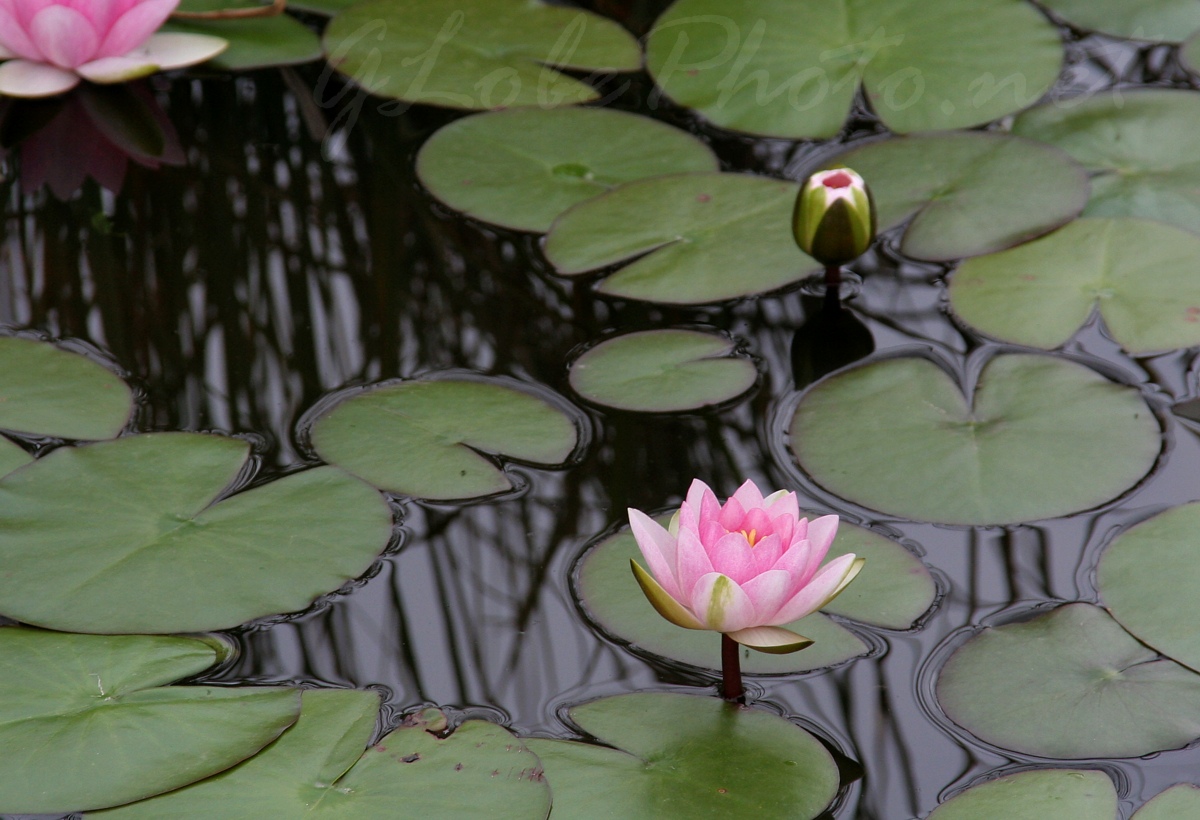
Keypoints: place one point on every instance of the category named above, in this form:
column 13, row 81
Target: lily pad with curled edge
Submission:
column 127, row 536
column 522, row 168
column 318, row 769
column 254, row 42
column 1070, row 684
column 423, row 438
column 48, row 391
column 688, row 239
column 1040, row 437
column 12, row 456
column 1176, row 803
column 86, row 721
column 1156, row 21
column 1140, row 275
column 968, row 193
column 476, row 54
column 1142, row 148
column 686, row 756
column 1061, row 794
column 792, row 68
column 662, row 371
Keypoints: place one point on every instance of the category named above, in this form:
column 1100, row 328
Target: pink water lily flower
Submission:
column 741, row 569
column 50, row 45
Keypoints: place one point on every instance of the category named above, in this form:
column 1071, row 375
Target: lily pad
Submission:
column 48, row 391
column 1041, row 437
column 1189, row 54
column 476, row 54
column 318, row 769
column 123, row 536
column 12, row 456
column 662, row 371
column 692, row 238
column 1140, row 276
column 686, row 756
column 792, row 68
column 1142, row 148
column 968, row 193
column 422, row 438
column 86, row 721
column 521, row 169
column 1156, row 21
column 1063, row 794
column 254, row 42
column 1070, row 684
column 1178, row 802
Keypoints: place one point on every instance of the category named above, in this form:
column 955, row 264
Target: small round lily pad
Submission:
column 520, row 169
column 1061, row 794
column 1156, row 21
column 254, row 42
column 1070, row 684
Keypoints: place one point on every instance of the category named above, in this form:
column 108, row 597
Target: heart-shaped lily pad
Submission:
column 662, row 371
column 476, row 54
column 254, row 42
column 1142, row 148
column 422, row 438
column 86, row 721
column 521, row 169
column 1061, row 794
column 123, row 536
column 1178, row 802
column 968, row 193
column 693, row 238
column 791, row 68
column 1140, row 275
column 686, row 756
column 1158, row 21
column 12, row 456
column 47, row 391
column 1070, row 684
column 318, row 769
column 1042, row 437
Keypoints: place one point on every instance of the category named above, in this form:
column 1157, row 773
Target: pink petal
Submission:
column 690, row 510
column 691, row 562
column 709, row 507
column 766, row 552
column 21, row 78
column 15, row 39
column 748, row 495
column 66, row 37
column 710, row 532
column 135, row 26
column 821, row 532
column 767, row 592
column 721, row 604
column 733, row 556
column 813, row 596
column 731, row 515
column 785, row 504
column 757, row 520
column 658, row 548
column 795, row 562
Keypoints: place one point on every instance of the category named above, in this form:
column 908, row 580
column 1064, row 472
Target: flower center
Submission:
column 838, row 180
column 751, row 536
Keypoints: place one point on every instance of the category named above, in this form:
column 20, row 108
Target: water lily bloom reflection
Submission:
column 834, row 218
column 741, row 569
column 50, row 45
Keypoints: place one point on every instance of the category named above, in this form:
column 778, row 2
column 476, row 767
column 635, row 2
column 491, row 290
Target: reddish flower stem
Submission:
column 731, row 671
column 833, row 276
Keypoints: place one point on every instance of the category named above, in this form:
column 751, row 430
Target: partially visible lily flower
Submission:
column 834, row 218
column 741, row 569
column 48, row 46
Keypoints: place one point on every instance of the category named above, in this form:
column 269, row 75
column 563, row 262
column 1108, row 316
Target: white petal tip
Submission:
column 23, row 78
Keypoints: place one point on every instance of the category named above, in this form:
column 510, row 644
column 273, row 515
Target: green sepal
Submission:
column 663, row 603
column 774, row 640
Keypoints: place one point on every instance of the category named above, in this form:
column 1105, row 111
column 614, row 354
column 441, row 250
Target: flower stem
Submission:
column 833, row 276
column 731, row 671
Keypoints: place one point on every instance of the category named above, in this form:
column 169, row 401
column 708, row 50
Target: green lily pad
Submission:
column 1070, row 684
column 791, row 68
column 1189, row 53
column 1140, row 276
column 893, row 590
column 254, row 42
column 1142, row 148
column 1148, row 577
column 686, row 756
column 968, row 193
column 422, row 438
column 1062, row 794
column 86, row 721
column 693, row 238
column 12, row 456
column 476, row 54
column 123, row 536
column 1176, row 803
column 1156, row 21
column 662, row 371
column 328, row 8
column 1042, row 437
column 521, row 169
column 318, row 769
column 47, row 391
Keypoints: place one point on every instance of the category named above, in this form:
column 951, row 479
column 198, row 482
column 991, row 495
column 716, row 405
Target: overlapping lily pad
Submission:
column 254, row 42
column 662, row 371
column 1062, row 794
column 1158, row 21
column 427, row 438
column 1140, row 275
column 476, row 54
column 1041, row 437
column 692, row 238
column 521, row 169
column 12, row 456
column 1070, row 684
column 86, row 721
column 318, row 769
column 1175, row 803
column 48, row 391
column 968, row 193
column 123, row 536
column 791, row 68
column 1142, row 148
column 686, row 756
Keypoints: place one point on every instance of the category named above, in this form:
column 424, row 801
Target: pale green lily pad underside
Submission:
column 1042, row 437
column 1158, row 21
column 1176, row 803
column 520, row 169
column 1070, row 684
column 1061, row 794
column 254, row 42
column 683, row 756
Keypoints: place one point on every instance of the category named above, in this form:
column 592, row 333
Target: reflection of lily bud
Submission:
column 830, row 338
column 834, row 219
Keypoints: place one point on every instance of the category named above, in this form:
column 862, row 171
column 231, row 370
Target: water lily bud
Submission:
column 834, row 219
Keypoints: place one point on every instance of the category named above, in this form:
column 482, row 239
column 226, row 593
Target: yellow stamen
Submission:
column 751, row 536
